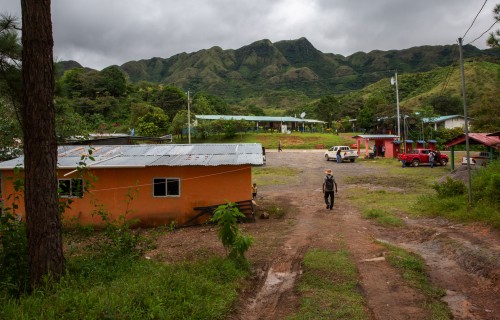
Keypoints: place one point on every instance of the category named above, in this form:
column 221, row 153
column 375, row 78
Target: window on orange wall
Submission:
column 70, row 188
column 166, row 187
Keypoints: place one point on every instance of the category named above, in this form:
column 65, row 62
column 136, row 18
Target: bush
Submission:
column 226, row 216
column 14, row 259
column 492, row 192
column 14, row 262
column 486, row 183
column 449, row 188
column 276, row 211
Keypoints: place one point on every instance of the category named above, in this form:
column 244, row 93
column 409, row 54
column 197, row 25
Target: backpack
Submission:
column 329, row 183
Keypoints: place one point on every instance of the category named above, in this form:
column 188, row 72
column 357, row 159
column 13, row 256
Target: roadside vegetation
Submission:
column 294, row 140
column 329, row 287
column 388, row 198
column 272, row 176
column 450, row 199
column 115, row 285
column 413, row 270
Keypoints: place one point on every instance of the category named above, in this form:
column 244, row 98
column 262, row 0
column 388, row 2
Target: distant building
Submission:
column 282, row 124
column 155, row 183
column 446, row 122
column 116, row 139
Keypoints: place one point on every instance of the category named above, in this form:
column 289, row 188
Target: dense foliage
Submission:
column 451, row 199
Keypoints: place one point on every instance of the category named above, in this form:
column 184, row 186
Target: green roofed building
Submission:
column 282, row 124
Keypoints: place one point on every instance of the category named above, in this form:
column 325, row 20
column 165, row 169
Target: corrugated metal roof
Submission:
column 156, row 155
column 256, row 118
column 376, row 136
column 441, row 118
column 476, row 138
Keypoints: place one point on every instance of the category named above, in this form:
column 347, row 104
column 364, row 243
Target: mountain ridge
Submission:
column 263, row 67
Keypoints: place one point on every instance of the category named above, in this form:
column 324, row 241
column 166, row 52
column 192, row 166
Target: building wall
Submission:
column 454, row 123
column 199, row 186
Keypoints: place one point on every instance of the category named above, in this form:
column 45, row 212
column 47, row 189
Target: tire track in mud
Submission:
column 463, row 259
column 275, row 293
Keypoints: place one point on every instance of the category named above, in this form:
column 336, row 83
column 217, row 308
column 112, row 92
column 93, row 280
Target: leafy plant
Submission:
column 486, row 183
column 226, row 216
column 449, row 188
column 276, row 211
column 14, row 260
column 118, row 231
column 383, row 217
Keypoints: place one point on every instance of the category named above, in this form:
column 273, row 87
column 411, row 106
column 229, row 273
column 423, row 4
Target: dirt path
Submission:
column 464, row 260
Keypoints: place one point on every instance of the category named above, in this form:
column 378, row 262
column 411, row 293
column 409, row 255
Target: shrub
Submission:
column 486, row 183
column 449, row 188
column 492, row 192
column 226, row 216
column 14, row 262
column 14, row 259
column 276, row 211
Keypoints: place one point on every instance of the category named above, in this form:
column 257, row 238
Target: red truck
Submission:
column 417, row 157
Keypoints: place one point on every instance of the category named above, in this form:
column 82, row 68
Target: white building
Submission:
column 446, row 122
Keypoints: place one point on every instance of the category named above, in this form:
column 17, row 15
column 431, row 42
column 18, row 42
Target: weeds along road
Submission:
column 471, row 292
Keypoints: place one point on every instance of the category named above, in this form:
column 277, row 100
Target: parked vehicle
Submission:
column 417, row 157
column 346, row 154
column 479, row 158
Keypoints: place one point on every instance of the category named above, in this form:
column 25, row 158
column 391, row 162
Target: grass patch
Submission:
column 412, row 268
column 295, row 140
column 124, row 287
column 276, row 211
column 272, row 176
column 451, row 198
column 383, row 217
column 392, row 193
column 329, row 287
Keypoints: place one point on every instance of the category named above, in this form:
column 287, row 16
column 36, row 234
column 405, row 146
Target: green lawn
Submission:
column 295, row 140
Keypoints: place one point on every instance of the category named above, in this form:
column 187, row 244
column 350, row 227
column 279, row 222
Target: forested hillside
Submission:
column 292, row 68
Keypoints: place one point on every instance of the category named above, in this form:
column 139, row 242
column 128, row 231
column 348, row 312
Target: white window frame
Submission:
column 166, row 180
column 71, row 195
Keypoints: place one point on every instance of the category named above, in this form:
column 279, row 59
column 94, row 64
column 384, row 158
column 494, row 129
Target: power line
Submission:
column 482, row 34
column 463, row 37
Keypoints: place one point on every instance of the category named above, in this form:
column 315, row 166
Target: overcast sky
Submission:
column 100, row 33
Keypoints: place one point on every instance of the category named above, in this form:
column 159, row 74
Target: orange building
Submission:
column 388, row 142
column 156, row 184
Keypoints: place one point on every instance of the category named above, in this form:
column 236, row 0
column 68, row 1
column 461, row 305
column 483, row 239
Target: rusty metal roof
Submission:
column 376, row 136
column 476, row 138
column 136, row 156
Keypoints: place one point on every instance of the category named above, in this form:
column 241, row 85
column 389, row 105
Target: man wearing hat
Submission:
column 328, row 186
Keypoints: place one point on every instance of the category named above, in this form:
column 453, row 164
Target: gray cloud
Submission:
column 100, row 33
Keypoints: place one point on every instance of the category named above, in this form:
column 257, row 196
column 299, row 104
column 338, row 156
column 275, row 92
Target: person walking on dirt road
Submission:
column 329, row 185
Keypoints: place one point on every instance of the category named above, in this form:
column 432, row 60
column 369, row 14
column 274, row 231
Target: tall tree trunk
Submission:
column 40, row 147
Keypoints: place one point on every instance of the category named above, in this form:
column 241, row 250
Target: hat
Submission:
column 328, row 171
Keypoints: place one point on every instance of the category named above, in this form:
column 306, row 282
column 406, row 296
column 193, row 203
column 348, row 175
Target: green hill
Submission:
column 264, row 68
column 283, row 77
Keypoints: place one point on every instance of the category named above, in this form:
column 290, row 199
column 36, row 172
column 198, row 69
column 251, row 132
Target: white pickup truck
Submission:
column 345, row 153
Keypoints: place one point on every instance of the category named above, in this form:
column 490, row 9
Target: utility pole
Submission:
column 466, row 123
column 189, row 119
column 395, row 81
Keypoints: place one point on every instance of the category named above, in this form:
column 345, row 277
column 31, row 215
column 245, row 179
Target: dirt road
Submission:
column 464, row 260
